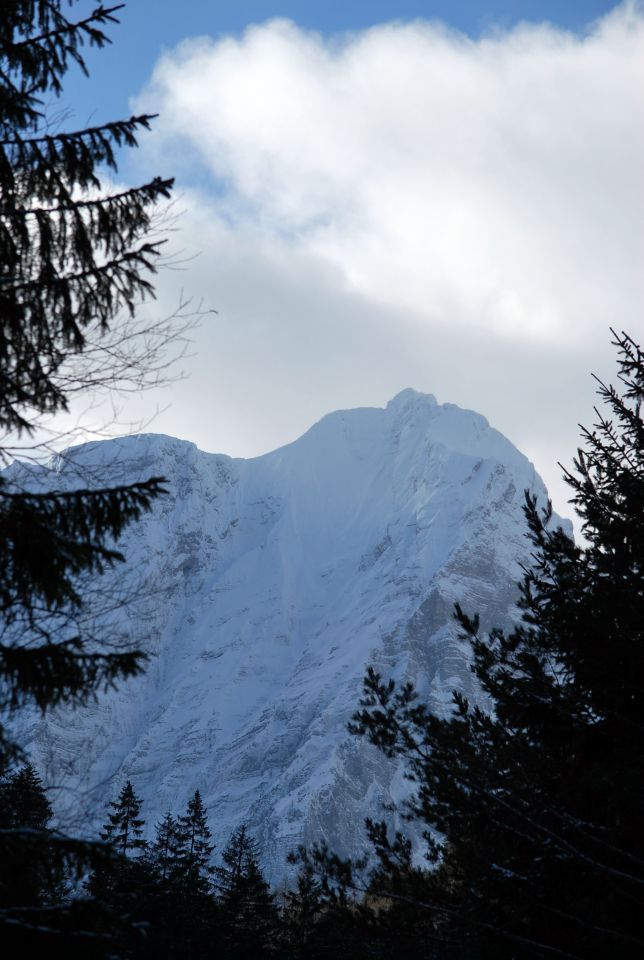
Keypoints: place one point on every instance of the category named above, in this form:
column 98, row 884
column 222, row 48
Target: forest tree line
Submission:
column 169, row 897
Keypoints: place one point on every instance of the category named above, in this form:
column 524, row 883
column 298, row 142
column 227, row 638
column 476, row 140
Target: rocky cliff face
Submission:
column 265, row 588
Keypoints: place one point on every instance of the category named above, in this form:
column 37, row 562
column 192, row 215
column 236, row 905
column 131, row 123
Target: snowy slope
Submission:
column 270, row 585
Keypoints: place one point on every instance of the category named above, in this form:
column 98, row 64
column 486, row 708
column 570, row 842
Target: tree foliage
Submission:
column 194, row 848
column 77, row 257
column 25, row 809
column 533, row 808
column 124, row 827
column 73, row 256
column 164, row 851
column 247, row 910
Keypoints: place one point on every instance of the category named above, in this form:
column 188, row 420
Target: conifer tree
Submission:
column 76, row 259
column 124, row 827
column 173, row 892
column 303, row 908
column 195, row 848
column 114, row 880
column 23, row 801
column 164, row 852
column 535, row 806
column 248, row 913
column 24, row 806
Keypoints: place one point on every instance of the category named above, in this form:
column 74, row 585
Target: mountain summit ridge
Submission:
column 271, row 584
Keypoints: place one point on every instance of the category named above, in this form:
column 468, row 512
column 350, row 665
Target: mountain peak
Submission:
column 267, row 586
column 409, row 397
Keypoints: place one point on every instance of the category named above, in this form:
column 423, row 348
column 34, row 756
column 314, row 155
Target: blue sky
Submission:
column 150, row 26
column 372, row 205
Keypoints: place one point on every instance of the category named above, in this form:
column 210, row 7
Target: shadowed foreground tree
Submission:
column 534, row 809
column 24, row 807
column 248, row 916
column 163, row 853
column 76, row 258
column 193, row 861
column 124, row 827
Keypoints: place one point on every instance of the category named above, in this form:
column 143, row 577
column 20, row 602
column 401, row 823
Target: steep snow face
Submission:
column 268, row 586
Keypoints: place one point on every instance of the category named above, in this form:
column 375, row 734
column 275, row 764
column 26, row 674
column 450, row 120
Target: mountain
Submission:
column 262, row 589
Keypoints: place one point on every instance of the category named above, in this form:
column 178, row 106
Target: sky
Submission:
column 379, row 195
column 149, row 28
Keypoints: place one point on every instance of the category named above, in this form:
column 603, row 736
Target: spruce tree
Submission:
column 194, row 848
column 534, row 807
column 38, row 879
column 113, row 882
column 249, row 920
column 164, row 852
column 23, row 801
column 124, row 827
column 76, row 259
column 173, row 894
column 302, row 909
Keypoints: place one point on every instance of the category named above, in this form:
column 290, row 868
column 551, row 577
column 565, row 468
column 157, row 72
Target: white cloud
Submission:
column 405, row 206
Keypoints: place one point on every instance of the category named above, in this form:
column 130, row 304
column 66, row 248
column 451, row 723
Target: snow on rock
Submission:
column 265, row 588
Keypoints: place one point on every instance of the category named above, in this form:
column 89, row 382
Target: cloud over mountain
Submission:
column 460, row 210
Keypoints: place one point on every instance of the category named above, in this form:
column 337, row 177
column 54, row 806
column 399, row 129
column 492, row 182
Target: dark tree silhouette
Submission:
column 248, row 915
column 163, row 853
column 76, row 259
column 24, row 808
column 534, row 807
column 193, row 861
column 124, row 827
column 23, row 801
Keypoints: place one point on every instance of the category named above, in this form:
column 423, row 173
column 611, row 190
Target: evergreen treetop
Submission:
column 124, row 827
column 195, row 848
column 39, row 875
column 247, row 908
column 23, row 801
column 164, row 852
column 238, row 856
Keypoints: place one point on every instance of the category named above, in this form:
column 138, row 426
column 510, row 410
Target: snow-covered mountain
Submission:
column 269, row 585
